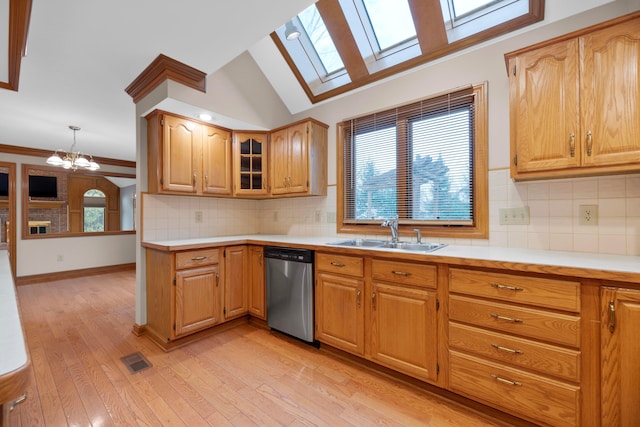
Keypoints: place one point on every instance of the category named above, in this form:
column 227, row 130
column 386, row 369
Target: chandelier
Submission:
column 72, row 159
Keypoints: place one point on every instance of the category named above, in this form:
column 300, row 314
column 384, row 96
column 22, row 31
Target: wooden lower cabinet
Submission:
column 339, row 312
column 403, row 329
column 361, row 310
column 518, row 392
column 184, row 292
column 197, row 299
column 189, row 291
column 515, row 344
column 620, row 357
column 236, row 295
column 256, row 285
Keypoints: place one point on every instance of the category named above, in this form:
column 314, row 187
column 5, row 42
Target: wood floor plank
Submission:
column 78, row 330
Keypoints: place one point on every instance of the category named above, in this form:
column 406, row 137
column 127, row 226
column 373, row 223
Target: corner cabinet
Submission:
column 236, row 299
column 574, row 105
column 250, row 164
column 257, row 290
column 620, row 355
column 187, row 157
column 298, row 159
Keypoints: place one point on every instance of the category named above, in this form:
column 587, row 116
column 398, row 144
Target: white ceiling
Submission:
column 81, row 55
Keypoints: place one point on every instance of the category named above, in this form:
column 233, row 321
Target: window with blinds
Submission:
column 416, row 162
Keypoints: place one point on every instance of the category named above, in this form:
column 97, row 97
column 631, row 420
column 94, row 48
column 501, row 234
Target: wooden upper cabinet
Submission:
column 216, row 160
column 611, row 94
column 575, row 103
column 544, row 107
column 250, row 163
column 187, row 157
column 298, row 159
column 180, row 145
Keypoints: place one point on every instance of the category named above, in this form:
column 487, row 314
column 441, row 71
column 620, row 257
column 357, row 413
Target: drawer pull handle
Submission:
column 337, row 264
column 507, row 349
column 508, row 319
column 401, row 273
column 17, row 402
column 612, row 317
column 508, row 288
column 198, row 258
column 505, row 381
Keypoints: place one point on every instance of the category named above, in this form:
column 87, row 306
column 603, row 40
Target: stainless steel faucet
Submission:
column 418, row 234
column 393, row 225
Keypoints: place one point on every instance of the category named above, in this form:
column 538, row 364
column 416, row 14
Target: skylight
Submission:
column 345, row 44
column 391, row 22
column 320, row 39
column 464, row 7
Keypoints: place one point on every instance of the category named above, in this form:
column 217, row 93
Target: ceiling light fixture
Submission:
column 291, row 32
column 72, row 159
column 204, row 116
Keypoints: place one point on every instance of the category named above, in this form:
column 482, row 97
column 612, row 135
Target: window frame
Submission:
column 478, row 229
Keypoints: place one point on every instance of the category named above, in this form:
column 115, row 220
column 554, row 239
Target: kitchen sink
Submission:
column 360, row 243
column 405, row 246
column 416, row 247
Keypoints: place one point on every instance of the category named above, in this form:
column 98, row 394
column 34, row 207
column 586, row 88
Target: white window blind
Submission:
column 414, row 161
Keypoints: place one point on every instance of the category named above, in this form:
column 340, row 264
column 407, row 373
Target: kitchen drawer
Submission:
column 548, row 293
column 342, row 264
column 404, row 272
column 197, row 258
column 514, row 391
column 544, row 358
column 528, row 322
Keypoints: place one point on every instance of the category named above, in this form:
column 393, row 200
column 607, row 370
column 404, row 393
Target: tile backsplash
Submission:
column 553, row 206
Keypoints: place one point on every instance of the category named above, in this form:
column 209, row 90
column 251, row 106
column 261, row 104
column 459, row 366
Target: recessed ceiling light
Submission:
column 204, row 116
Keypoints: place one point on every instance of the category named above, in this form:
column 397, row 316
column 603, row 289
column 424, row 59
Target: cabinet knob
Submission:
column 589, row 142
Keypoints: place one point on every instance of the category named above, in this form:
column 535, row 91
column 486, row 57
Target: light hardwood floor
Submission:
column 78, row 329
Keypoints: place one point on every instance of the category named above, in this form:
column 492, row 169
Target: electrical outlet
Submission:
column 317, row 216
column 514, row 216
column 588, row 215
column 198, row 217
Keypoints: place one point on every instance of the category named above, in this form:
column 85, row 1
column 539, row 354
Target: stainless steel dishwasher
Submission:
column 289, row 280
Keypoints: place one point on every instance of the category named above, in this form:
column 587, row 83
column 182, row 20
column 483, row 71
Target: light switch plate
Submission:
column 514, row 216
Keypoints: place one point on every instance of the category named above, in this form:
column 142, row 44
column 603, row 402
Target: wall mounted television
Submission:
column 43, row 186
column 4, row 184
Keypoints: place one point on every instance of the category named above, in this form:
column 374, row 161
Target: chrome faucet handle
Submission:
column 418, row 234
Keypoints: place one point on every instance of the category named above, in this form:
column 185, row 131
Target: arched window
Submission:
column 93, row 206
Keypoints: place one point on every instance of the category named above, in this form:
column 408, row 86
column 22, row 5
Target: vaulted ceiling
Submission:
column 81, row 55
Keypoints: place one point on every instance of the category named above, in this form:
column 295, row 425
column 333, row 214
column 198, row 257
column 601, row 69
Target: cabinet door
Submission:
column 216, row 161
column 250, row 163
column 180, row 156
column 544, row 85
column 339, row 312
column 404, row 329
column 620, row 356
column 298, row 159
column 279, row 161
column 236, row 302
column 611, row 95
column 197, row 303
column 257, row 302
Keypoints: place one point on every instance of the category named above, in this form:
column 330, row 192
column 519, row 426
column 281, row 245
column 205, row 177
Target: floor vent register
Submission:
column 135, row 362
